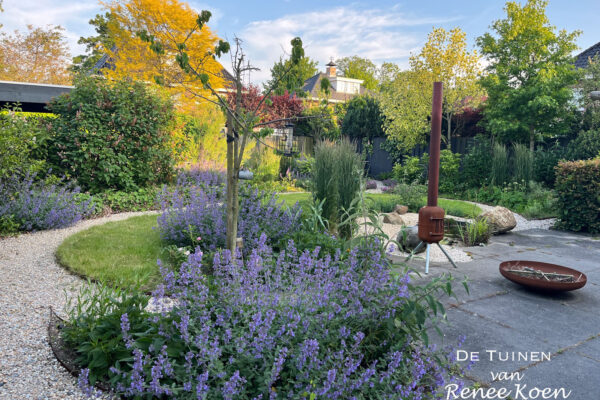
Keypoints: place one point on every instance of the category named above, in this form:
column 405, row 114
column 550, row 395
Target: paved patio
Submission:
column 503, row 316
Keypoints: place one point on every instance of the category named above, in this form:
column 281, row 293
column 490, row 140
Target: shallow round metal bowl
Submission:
column 542, row 283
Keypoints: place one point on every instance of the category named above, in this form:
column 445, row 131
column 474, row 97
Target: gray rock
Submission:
column 500, row 219
column 408, row 238
column 400, row 209
column 393, row 218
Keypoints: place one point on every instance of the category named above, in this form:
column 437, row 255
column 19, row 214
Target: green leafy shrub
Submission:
column 95, row 325
column 112, row 135
column 285, row 165
column 449, row 166
column 305, row 240
column 383, row 203
column 476, row 167
column 336, row 178
column 578, row 187
column 585, row 146
column 411, row 170
column 363, row 119
column 139, row 200
column 533, row 201
column 264, row 163
column 320, row 123
column 541, row 202
column 545, row 161
column 22, row 143
column 414, row 170
column 411, row 196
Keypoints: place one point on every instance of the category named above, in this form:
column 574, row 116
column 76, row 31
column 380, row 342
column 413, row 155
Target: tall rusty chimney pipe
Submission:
column 431, row 217
column 434, row 145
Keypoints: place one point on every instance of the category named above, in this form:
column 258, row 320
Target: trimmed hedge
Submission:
column 578, row 187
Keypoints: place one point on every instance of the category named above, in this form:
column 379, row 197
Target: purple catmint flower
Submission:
column 125, row 327
column 36, row 205
column 298, row 322
column 84, row 383
column 233, row 386
column 201, row 386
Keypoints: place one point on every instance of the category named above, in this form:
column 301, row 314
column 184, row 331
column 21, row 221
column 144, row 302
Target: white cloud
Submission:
column 380, row 35
column 216, row 13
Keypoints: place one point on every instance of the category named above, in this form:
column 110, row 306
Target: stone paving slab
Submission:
column 503, row 316
column 568, row 370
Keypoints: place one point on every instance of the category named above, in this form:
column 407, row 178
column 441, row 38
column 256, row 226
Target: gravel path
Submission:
column 31, row 282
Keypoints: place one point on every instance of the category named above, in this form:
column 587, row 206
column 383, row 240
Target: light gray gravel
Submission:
column 31, row 282
column 523, row 223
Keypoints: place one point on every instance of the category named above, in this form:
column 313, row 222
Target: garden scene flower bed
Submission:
column 188, row 217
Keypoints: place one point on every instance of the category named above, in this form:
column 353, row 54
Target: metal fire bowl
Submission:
column 539, row 283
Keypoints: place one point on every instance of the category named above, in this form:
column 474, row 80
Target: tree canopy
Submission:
column 407, row 103
column 529, row 75
column 406, row 109
column 290, row 78
column 277, row 108
column 41, row 55
column 95, row 44
column 359, row 68
column 143, row 39
column 363, row 119
column 386, row 75
column 591, row 82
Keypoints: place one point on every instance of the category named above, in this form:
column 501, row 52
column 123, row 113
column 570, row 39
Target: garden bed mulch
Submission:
column 64, row 354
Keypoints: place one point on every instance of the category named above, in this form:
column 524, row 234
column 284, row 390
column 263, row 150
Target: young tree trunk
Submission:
column 231, row 189
column 449, row 132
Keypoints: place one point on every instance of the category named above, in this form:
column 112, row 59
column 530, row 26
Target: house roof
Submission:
column 313, row 87
column 582, row 60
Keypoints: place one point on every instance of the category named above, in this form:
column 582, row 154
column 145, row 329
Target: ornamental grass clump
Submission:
column 336, row 178
column 268, row 326
column 29, row 205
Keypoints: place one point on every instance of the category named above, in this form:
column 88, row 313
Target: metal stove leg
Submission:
column 447, row 255
column 427, row 259
column 412, row 253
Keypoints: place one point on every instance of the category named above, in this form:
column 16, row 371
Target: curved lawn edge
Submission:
column 453, row 207
column 122, row 253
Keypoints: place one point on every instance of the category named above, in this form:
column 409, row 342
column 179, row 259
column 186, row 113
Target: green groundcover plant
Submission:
column 270, row 325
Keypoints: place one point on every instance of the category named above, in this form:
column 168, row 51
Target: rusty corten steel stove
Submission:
column 431, row 217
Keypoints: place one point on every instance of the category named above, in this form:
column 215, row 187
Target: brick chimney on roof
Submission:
column 331, row 70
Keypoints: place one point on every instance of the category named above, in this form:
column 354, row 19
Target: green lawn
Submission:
column 120, row 252
column 386, row 202
column 124, row 253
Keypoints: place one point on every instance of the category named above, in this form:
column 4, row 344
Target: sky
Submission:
column 383, row 30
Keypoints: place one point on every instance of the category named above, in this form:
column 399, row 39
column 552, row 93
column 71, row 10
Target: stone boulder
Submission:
column 393, row 218
column 500, row 220
column 408, row 238
column 401, row 210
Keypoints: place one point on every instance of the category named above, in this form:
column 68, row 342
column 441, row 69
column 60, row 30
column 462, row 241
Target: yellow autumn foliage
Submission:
column 169, row 22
